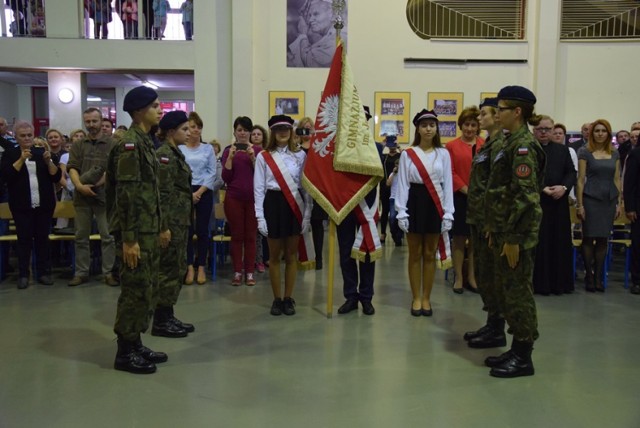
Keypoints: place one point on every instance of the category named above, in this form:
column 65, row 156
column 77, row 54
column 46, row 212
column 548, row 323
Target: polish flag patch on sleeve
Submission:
column 164, row 160
column 129, row 146
column 522, row 151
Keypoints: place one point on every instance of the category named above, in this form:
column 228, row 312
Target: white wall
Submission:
column 9, row 104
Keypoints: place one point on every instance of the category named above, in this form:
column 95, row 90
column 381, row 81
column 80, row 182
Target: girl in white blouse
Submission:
column 281, row 211
column 424, row 202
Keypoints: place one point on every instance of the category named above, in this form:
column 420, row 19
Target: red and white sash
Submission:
column 306, row 252
column 367, row 238
column 419, row 159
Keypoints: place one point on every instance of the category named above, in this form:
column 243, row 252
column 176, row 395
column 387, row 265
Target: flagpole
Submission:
column 338, row 7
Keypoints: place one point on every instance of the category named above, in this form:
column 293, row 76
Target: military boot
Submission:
column 519, row 362
column 189, row 328
column 493, row 337
column 148, row 354
column 129, row 360
column 163, row 326
column 482, row 330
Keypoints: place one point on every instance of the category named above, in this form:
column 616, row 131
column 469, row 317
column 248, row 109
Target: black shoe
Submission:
column 398, row 242
column 477, row 333
column 458, row 290
column 288, row 306
column 348, row 306
column 427, row 312
column 600, row 288
column 497, row 360
column 23, row 283
column 150, row 355
column 129, row 360
column 276, row 307
column 514, row 366
column 189, row 328
column 471, row 289
column 367, row 308
column 491, row 339
column 416, row 312
column 167, row 329
column 45, row 280
column 318, row 264
column 635, row 289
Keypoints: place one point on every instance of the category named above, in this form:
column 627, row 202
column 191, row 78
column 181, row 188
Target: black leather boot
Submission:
column 129, row 360
column 189, row 328
column 163, row 326
column 496, row 361
column 150, row 355
column 493, row 337
column 492, row 320
column 519, row 362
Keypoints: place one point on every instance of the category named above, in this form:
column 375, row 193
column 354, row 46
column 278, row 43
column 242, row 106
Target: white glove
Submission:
column 446, row 225
column 403, row 224
column 306, row 226
column 262, row 227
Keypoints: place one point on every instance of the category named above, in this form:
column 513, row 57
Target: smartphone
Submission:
column 241, row 146
column 37, row 152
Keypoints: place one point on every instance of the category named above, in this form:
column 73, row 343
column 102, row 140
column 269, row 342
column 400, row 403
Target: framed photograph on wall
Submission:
column 484, row 95
column 290, row 103
column 447, row 105
column 392, row 110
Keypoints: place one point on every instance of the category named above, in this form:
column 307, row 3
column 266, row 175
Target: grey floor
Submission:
column 245, row 368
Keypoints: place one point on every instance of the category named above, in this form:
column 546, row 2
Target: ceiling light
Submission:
column 92, row 98
column 65, row 95
column 149, row 84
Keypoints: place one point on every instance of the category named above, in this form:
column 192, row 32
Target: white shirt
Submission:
column 264, row 180
column 33, row 183
column 439, row 168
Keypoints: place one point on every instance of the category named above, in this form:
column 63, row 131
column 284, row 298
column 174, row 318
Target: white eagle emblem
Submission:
column 328, row 124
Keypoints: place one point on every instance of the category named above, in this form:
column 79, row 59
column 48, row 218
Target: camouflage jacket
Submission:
column 512, row 198
column 174, row 182
column 85, row 155
column 133, row 199
column 480, row 169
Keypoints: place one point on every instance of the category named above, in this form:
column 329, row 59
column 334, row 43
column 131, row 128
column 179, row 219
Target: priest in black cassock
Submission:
column 553, row 271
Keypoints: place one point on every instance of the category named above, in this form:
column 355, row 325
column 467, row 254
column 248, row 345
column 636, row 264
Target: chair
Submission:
column 218, row 239
column 5, row 236
column 576, row 238
column 619, row 235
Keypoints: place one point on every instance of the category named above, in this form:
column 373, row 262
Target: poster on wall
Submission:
column 311, row 38
column 290, row 103
column 448, row 106
column 392, row 115
column 484, row 95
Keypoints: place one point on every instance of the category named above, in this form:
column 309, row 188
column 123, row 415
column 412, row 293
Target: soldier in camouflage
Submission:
column 513, row 214
column 133, row 202
column 492, row 333
column 176, row 198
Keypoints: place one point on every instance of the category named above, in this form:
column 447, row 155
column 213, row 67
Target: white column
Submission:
column 242, row 59
column 66, row 115
column 64, row 19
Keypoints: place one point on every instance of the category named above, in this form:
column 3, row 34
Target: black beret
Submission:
column 173, row 119
column 489, row 102
column 391, row 141
column 425, row 114
column 367, row 112
column 517, row 93
column 281, row 120
column 138, row 98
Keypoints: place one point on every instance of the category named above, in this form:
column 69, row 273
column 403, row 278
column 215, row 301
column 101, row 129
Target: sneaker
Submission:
column 111, row 281
column 237, row 279
column 250, row 280
column 276, row 307
column 260, row 267
column 77, row 280
column 288, row 306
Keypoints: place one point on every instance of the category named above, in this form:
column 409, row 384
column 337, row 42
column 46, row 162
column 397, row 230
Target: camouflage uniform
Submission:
column 483, row 266
column 513, row 214
column 174, row 179
column 133, row 202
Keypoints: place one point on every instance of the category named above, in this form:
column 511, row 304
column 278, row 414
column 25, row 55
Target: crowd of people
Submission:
column 150, row 189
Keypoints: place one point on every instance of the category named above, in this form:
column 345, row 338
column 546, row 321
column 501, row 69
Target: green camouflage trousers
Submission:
column 173, row 265
column 137, row 288
column 516, row 289
column 483, row 268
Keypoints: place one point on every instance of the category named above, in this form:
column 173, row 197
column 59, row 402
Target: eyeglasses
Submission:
column 505, row 108
column 543, row 129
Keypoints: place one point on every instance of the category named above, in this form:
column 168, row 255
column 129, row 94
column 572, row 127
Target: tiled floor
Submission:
column 245, row 368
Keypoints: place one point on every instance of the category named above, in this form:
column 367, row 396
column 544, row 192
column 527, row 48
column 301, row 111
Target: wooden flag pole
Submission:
column 332, row 265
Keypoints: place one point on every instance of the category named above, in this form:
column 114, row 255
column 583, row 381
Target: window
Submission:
column 467, row 19
column 600, row 19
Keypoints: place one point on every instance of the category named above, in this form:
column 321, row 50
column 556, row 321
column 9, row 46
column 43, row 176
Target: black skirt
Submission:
column 423, row 214
column 460, row 226
column 281, row 221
